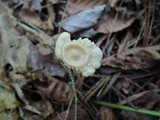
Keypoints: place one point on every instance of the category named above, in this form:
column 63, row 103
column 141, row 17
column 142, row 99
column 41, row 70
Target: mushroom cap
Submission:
column 75, row 55
column 82, row 54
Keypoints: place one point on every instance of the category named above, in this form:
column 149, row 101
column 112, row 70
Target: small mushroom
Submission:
column 82, row 54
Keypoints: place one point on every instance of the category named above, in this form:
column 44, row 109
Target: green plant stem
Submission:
column 127, row 108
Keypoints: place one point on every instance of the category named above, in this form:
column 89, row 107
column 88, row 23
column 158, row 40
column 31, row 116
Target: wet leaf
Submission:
column 82, row 20
column 75, row 6
column 136, row 58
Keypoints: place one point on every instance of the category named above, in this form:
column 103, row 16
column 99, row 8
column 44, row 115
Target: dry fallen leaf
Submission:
column 31, row 17
column 75, row 6
column 136, row 58
column 82, row 20
column 57, row 90
column 112, row 23
column 18, row 50
column 51, row 87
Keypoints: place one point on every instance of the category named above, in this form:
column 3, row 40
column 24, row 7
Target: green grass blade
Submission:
column 127, row 108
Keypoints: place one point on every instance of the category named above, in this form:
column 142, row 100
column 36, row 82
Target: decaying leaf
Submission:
column 109, row 23
column 75, row 6
column 82, row 20
column 52, row 87
column 136, row 58
column 58, row 90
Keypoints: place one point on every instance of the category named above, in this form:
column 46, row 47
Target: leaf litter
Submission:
column 138, row 57
column 35, row 85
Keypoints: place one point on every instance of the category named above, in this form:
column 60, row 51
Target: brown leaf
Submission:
column 31, row 17
column 51, row 87
column 136, row 58
column 112, row 23
column 75, row 6
column 57, row 90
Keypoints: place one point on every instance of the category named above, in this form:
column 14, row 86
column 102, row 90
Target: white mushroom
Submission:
column 82, row 54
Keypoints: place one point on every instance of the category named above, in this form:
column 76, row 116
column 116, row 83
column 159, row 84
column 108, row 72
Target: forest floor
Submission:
column 35, row 85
